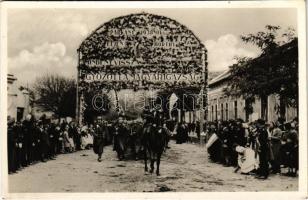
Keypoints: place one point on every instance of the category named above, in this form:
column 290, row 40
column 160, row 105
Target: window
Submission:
column 264, row 108
column 20, row 113
column 227, row 112
column 235, row 109
column 216, row 112
column 212, row 114
column 248, row 109
column 222, row 111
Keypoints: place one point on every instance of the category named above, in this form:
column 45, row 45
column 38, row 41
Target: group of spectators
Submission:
column 39, row 140
column 183, row 131
column 274, row 146
column 31, row 141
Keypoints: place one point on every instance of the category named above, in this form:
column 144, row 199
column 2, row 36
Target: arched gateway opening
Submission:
column 144, row 55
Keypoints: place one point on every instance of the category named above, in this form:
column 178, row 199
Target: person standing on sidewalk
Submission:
column 263, row 150
column 12, row 145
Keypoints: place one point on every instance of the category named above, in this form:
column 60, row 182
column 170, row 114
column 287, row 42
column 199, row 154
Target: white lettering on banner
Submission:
column 115, row 62
column 133, row 32
column 153, row 77
column 121, row 44
column 127, row 62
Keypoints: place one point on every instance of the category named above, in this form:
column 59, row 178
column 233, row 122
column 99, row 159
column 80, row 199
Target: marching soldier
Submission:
column 132, row 128
column 168, row 135
column 120, row 137
column 100, row 132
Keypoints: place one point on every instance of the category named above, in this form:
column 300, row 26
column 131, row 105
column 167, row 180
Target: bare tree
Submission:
column 56, row 94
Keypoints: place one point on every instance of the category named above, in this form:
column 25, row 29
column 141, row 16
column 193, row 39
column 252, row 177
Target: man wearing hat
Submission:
column 149, row 117
column 53, row 140
column 159, row 117
column 20, row 153
column 263, row 151
column 28, row 128
column 11, row 145
column 100, row 132
column 44, row 141
column 146, row 112
column 120, row 137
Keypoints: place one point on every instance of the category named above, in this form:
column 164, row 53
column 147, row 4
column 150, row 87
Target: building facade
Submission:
column 18, row 99
column 223, row 107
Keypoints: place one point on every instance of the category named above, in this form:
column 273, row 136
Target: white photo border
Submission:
column 301, row 19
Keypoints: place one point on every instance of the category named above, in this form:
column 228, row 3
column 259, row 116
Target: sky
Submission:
column 45, row 40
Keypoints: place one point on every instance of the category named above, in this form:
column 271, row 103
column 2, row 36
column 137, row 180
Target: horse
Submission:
column 154, row 143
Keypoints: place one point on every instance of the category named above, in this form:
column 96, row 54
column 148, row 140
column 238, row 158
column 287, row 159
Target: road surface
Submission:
column 184, row 168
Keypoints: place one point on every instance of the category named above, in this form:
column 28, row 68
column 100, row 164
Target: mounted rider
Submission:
column 147, row 115
column 159, row 117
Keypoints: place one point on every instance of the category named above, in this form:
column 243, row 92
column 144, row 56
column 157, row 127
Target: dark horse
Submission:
column 154, row 143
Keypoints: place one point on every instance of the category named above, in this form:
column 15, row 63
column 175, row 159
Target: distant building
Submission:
column 18, row 99
column 223, row 107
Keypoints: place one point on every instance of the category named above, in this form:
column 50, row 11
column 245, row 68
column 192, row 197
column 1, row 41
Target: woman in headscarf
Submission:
column 275, row 141
column 290, row 140
column 71, row 136
column 66, row 138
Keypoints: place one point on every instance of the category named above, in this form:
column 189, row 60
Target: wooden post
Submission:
column 202, row 111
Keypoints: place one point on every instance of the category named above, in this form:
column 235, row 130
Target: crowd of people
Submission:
column 31, row 141
column 257, row 147
column 39, row 140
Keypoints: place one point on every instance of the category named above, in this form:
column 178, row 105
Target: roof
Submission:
column 219, row 78
column 282, row 49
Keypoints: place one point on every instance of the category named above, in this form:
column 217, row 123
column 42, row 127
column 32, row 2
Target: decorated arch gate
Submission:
column 141, row 51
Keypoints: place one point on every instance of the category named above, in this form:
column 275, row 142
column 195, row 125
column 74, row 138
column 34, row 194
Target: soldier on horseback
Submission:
column 154, row 139
column 147, row 115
